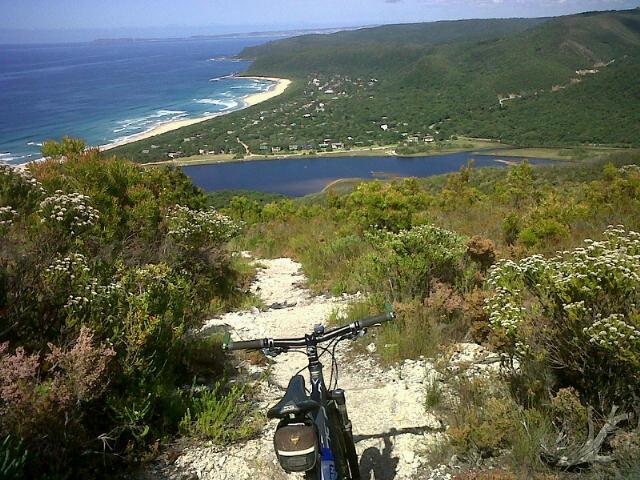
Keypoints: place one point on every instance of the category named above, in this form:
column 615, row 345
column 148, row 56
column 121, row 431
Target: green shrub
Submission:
column 543, row 232
column 13, row 458
column 481, row 421
column 486, row 421
column 221, row 417
column 533, row 428
column 406, row 263
column 339, row 257
column 101, row 274
column 518, row 189
column 391, row 206
column 459, row 193
column 511, row 227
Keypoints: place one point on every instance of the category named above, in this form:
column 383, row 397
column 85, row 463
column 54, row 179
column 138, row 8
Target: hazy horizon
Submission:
column 35, row 21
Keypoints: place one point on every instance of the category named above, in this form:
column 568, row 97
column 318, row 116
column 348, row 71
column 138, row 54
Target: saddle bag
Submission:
column 296, row 445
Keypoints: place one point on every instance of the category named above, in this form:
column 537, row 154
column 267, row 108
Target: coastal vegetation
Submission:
column 519, row 82
column 540, row 264
column 106, row 268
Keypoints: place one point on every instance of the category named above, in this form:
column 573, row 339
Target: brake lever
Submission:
column 273, row 351
column 355, row 335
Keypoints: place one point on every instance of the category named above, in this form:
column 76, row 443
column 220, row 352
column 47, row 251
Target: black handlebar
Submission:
column 378, row 319
column 351, row 329
column 245, row 345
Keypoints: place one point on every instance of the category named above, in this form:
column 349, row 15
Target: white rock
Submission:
column 386, row 406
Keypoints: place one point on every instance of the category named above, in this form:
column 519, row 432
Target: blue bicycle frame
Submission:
column 319, row 393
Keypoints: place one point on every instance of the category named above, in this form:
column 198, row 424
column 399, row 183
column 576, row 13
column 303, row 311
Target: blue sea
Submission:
column 107, row 92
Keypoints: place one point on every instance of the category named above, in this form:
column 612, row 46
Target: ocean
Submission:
column 106, row 92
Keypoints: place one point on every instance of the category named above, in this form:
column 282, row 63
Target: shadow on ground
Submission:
column 376, row 464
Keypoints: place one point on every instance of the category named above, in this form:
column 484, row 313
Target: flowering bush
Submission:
column 18, row 187
column 95, row 324
column 200, row 228
column 7, row 215
column 42, row 399
column 70, row 278
column 69, row 213
column 578, row 311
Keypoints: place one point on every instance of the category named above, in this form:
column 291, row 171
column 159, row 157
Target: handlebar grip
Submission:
column 376, row 320
column 246, row 345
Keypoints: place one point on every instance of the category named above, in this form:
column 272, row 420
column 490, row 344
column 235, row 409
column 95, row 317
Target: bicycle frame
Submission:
column 342, row 445
column 320, row 394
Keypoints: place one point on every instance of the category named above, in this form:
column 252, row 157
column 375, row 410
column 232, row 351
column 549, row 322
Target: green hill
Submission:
column 561, row 81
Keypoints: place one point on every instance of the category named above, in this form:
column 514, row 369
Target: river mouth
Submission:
column 299, row 177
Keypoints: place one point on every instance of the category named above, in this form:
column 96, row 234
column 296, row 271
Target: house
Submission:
column 293, row 147
column 429, row 139
column 264, row 147
column 329, row 92
column 275, row 149
column 384, row 127
column 413, row 139
column 337, row 145
column 323, row 145
column 201, row 151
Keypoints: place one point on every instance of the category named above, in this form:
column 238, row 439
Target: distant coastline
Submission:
column 278, row 87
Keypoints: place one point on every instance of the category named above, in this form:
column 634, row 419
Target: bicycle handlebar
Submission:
column 376, row 320
column 353, row 328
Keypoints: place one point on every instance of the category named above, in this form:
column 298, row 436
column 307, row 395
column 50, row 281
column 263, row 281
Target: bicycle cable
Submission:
column 335, row 362
column 331, row 349
column 324, row 350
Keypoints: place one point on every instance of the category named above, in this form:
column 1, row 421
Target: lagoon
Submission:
column 298, row 177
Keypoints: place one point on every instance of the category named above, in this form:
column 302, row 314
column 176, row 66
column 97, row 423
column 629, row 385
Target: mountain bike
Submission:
column 314, row 434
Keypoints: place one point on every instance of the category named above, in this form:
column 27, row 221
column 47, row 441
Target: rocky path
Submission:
column 391, row 427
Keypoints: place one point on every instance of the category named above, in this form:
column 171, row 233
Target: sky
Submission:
column 76, row 19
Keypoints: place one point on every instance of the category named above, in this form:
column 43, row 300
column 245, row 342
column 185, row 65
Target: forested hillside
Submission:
column 560, row 81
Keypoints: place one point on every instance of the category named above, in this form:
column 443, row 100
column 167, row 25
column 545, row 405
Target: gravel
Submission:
column 391, row 427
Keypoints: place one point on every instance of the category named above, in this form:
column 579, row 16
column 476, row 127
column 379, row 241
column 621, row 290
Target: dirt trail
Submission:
column 391, row 428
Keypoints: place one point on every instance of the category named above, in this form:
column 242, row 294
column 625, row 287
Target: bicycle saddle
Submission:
column 295, row 400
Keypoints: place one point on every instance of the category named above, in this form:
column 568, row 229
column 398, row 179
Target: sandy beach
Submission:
column 278, row 87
